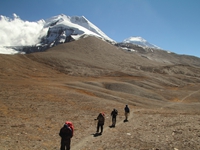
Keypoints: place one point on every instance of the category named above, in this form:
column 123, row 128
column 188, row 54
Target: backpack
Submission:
column 127, row 109
column 101, row 118
column 114, row 112
column 71, row 126
column 66, row 132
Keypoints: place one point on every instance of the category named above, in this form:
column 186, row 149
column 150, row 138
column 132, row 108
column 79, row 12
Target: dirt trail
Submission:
column 189, row 95
column 84, row 141
column 173, row 103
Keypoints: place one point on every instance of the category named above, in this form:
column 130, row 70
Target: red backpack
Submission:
column 71, row 126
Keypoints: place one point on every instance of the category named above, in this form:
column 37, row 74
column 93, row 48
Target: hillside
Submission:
column 77, row 80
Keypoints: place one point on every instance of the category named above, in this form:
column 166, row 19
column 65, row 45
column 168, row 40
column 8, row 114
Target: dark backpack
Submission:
column 66, row 132
column 115, row 112
column 127, row 109
column 101, row 118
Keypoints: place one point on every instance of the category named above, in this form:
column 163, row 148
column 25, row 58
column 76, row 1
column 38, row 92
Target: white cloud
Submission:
column 6, row 50
column 16, row 32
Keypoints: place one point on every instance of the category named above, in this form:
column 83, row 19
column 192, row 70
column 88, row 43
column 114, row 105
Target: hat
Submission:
column 68, row 123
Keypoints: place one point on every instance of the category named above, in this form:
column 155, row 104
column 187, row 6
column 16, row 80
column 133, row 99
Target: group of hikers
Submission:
column 66, row 132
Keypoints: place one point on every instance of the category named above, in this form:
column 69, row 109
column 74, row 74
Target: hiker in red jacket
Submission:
column 66, row 133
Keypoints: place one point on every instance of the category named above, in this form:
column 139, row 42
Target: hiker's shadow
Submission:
column 96, row 134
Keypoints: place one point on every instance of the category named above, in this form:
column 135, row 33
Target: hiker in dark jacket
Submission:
column 66, row 134
column 114, row 114
column 100, row 123
column 127, row 111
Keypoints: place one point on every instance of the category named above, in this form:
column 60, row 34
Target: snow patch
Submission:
column 140, row 42
column 128, row 49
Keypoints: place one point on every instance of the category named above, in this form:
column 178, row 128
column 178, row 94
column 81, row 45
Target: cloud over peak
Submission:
column 17, row 32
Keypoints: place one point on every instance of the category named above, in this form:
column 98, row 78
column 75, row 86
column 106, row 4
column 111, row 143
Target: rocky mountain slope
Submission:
column 159, row 55
column 77, row 80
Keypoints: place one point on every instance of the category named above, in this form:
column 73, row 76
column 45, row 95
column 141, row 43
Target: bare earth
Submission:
column 40, row 91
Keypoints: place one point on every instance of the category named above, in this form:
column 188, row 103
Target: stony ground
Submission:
column 33, row 113
column 40, row 91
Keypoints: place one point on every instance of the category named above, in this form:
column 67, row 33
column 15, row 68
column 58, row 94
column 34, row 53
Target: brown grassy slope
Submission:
column 77, row 80
column 95, row 58
column 92, row 55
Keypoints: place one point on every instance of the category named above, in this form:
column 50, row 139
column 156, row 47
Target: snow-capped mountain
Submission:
column 18, row 36
column 40, row 35
column 140, row 41
column 63, row 28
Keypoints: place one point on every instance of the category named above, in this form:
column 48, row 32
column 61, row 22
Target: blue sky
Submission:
column 173, row 25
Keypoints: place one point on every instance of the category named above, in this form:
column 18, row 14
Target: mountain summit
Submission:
column 40, row 35
column 63, row 28
column 140, row 41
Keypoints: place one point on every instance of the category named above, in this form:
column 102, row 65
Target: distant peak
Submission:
column 139, row 41
column 134, row 38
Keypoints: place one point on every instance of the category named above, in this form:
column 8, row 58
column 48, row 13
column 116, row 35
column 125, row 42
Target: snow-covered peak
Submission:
column 50, row 32
column 64, row 28
column 56, row 19
column 140, row 41
column 78, row 23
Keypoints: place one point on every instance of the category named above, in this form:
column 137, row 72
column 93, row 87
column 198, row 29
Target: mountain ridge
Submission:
column 60, row 29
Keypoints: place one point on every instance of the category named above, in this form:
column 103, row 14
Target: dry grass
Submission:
column 77, row 80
